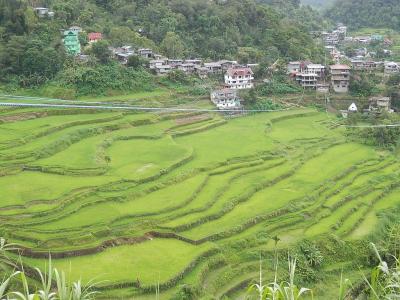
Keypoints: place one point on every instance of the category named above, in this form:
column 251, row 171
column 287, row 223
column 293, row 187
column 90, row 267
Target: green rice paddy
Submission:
column 136, row 200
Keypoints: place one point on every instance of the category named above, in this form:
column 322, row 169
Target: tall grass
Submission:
column 5, row 247
column 285, row 290
column 53, row 285
column 384, row 281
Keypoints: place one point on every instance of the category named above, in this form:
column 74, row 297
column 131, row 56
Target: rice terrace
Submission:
column 146, row 201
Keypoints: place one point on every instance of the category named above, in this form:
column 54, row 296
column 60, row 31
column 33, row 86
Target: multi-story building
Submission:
column 294, row 67
column 239, row 78
column 145, row 53
column 175, row 63
column 187, row 68
column 71, row 43
column 228, row 64
column 379, row 104
column 307, row 80
column 307, row 74
column 153, row 64
column 365, row 65
column 340, row 78
column 226, row 99
column 315, row 69
column 213, row 67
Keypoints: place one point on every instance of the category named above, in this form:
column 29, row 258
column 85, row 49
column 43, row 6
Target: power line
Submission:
column 136, row 108
column 371, row 126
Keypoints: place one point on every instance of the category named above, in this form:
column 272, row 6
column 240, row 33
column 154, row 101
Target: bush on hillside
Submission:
column 98, row 79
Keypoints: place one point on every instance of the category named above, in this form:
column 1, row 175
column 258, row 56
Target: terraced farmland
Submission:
column 144, row 199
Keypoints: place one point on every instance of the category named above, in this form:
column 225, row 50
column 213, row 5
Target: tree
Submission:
column 101, row 51
column 361, row 86
column 135, row 62
column 172, row 46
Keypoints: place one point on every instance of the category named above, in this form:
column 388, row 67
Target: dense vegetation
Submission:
column 320, row 4
column 366, row 13
column 32, row 53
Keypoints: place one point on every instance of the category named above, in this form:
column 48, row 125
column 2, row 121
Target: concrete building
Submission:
column 315, row 69
column 391, row 68
column 294, row 67
column 340, row 78
column 155, row 63
column 163, row 69
column 71, row 43
column 175, row 62
column 379, row 104
column 145, row 53
column 227, row 64
column 213, row 67
column 187, row 68
column 239, row 78
column 43, row 12
column 307, row 80
column 226, row 99
column 195, row 61
column 76, row 29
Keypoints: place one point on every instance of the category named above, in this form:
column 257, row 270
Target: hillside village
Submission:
column 345, row 56
column 308, row 75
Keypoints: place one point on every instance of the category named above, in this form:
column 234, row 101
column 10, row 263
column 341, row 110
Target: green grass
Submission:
column 30, row 186
column 126, row 175
column 152, row 261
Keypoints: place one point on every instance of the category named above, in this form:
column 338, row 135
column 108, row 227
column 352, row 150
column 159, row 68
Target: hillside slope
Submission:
column 367, row 13
column 318, row 3
column 32, row 53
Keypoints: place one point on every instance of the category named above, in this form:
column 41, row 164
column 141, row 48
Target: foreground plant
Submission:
column 384, row 282
column 5, row 247
column 286, row 290
column 63, row 289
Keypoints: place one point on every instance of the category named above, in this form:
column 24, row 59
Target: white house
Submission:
column 225, row 99
column 239, row 78
column 315, row 69
column 163, row 69
column 76, row 29
column 155, row 63
column 391, row 68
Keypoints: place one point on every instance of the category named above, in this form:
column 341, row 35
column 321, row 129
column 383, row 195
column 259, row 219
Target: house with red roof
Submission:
column 94, row 36
column 239, row 78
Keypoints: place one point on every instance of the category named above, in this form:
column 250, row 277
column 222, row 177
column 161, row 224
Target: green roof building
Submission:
column 71, row 42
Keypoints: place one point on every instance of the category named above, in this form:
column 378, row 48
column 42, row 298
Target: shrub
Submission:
column 98, row 79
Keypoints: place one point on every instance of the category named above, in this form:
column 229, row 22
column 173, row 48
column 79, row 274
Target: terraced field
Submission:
column 135, row 200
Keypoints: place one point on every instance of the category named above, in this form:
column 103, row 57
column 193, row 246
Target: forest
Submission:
column 366, row 13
